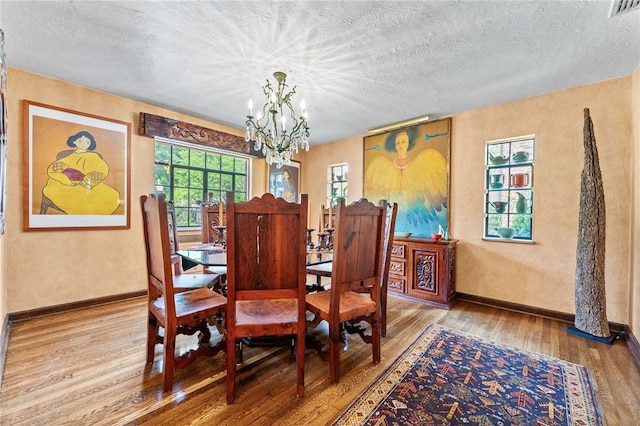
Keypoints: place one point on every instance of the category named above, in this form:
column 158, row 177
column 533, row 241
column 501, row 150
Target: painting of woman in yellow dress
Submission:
column 410, row 167
column 75, row 185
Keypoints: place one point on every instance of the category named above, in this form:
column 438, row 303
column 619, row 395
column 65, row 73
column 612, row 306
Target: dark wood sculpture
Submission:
column 590, row 300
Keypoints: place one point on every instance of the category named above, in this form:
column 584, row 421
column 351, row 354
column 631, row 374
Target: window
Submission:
column 190, row 177
column 336, row 182
column 509, row 189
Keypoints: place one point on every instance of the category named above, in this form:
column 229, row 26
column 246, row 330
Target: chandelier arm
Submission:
column 297, row 127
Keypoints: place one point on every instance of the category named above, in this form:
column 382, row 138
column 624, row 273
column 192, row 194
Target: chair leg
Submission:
column 168, row 358
column 231, row 369
column 335, row 345
column 152, row 339
column 300, row 349
column 375, row 340
column 383, row 313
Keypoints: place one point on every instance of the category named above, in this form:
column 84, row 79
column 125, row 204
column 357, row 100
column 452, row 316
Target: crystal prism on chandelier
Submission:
column 276, row 130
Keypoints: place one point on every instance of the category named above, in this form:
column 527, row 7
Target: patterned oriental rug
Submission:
column 447, row 377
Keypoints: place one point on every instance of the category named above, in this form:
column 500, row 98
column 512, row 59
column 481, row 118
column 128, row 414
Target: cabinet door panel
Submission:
column 425, row 274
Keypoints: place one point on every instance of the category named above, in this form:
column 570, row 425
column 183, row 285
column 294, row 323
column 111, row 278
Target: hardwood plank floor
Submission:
column 87, row 367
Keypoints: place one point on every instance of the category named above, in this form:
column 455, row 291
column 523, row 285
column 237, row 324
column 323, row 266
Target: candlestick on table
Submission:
column 329, row 238
column 220, row 238
column 322, row 241
column 309, row 238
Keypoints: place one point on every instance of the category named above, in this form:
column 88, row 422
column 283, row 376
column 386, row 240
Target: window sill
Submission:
column 508, row 240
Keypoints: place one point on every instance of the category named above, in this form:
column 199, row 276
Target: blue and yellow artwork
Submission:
column 410, row 166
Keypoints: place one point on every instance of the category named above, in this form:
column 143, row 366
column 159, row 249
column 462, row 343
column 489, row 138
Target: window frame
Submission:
column 507, row 192
column 334, row 183
column 193, row 207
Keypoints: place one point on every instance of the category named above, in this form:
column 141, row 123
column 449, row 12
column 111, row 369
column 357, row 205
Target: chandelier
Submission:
column 276, row 130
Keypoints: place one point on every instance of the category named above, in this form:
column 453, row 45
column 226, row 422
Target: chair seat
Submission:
column 254, row 313
column 193, row 281
column 321, row 269
column 193, row 305
column 352, row 304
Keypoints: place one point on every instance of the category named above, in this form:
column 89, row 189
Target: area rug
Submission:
column 447, row 377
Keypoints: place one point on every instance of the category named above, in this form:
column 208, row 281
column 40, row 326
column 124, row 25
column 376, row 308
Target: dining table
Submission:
column 216, row 255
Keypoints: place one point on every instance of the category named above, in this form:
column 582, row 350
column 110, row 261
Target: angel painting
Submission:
column 410, row 167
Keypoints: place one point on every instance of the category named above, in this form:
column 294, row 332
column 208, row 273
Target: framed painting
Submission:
column 76, row 170
column 3, row 159
column 410, row 166
column 284, row 182
column 3, row 132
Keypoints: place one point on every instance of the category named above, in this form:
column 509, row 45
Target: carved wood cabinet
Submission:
column 424, row 269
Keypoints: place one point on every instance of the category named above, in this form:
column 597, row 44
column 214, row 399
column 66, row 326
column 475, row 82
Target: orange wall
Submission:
column 540, row 274
column 51, row 268
column 48, row 268
column 314, row 172
column 634, row 320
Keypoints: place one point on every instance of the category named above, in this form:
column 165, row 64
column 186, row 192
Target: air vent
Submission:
column 618, row 7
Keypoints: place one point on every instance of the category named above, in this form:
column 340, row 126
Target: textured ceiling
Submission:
column 357, row 64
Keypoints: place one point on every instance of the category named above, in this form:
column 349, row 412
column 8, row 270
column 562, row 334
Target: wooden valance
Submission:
column 154, row 125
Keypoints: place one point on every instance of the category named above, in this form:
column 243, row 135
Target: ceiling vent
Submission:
column 618, row 7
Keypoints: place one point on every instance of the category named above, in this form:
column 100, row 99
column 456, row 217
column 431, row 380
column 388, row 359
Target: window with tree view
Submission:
column 190, row 177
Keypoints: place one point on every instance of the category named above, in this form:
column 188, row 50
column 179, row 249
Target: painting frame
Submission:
column 3, row 133
column 276, row 181
column 411, row 166
column 77, row 170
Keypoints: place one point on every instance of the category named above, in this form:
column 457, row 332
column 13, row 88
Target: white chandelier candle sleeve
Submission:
column 220, row 213
column 278, row 142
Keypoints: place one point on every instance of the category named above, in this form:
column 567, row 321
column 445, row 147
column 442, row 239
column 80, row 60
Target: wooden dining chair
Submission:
column 266, row 281
column 176, row 260
column 389, row 229
column 211, row 219
column 324, row 269
column 186, row 312
column 325, row 217
column 357, row 265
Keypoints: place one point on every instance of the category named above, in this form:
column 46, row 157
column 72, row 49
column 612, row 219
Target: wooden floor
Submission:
column 87, row 367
